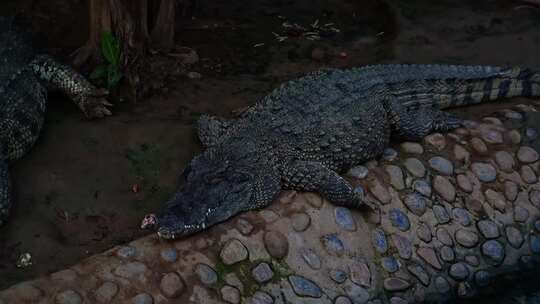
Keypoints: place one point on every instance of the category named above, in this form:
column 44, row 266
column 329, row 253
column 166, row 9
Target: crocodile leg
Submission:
column 5, row 189
column 211, row 129
column 416, row 124
column 314, row 176
column 89, row 99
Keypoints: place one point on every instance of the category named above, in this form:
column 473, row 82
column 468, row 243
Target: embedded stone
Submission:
column 466, row 238
column 106, row 292
column 428, row 255
column 403, row 246
column 389, row 154
column 496, row 199
column 130, row 270
column 444, row 236
column 514, row 236
column 464, row 183
column 263, row 273
column 304, row 287
column 396, row 284
column 444, row 188
column 459, row 271
column 379, row 191
column 515, row 137
column 399, row 219
column 333, row 244
column 142, row 298
column 416, row 203
column 482, row 278
column 233, row 252
column 436, row 140
column 491, row 136
column 379, row 240
column 447, row 254
column 169, row 255
column 261, row 297
column 461, row 154
column 126, row 252
column 472, row 260
column 206, row 274
column 527, row 155
column 269, row 216
column 415, row 167
column 412, row 148
column 398, row 300
column 342, row 300
column 396, row 176
column 424, row 233
column 300, row 221
column 420, row 273
column 338, row 276
column 172, row 285
column 534, row 244
column 423, row 187
column 485, row 172
column 510, row 190
column 478, row 145
column 390, row 264
column 441, row 165
column 441, row 214
column 489, row 229
column 360, row 274
column 359, row 172
column 344, row 218
column 311, row 258
column 441, row 284
column 244, row 226
column 534, row 196
column 68, row 297
column 521, row 214
column 505, row 161
column 531, row 133
column 493, row 250
column 358, row 294
column 528, row 175
column 462, row 216
column 230, row 294
column 276, row 244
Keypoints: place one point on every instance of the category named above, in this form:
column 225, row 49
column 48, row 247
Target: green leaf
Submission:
column 100, row 72
column 113, row 76
column 110, row 48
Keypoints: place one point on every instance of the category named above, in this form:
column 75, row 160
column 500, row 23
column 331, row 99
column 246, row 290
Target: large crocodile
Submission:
column 306, row 132
column 24, row 79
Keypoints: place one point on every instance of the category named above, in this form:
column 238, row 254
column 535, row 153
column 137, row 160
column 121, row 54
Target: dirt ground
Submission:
column 74, row 191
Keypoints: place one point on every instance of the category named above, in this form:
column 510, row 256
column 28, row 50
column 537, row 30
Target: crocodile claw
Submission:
column 94, row 104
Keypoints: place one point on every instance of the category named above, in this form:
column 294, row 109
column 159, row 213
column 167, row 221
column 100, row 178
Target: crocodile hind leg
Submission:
column 416, row 124
column 5, row 189
column 314, row 176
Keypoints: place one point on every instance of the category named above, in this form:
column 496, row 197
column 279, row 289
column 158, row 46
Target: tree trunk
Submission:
column 163, row 32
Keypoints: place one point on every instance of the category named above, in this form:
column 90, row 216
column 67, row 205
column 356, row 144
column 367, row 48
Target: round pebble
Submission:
column 424, row 233
column 514, row 237
column 206, row 274
column 390, row 264
column 447, row 254
column 233, row 252
column 472, row 260
column 423, row 187
column 230, row 294
column 528, row 175
column 420, row 273
column 505, row 161
column 403, row 246
column 461, row 154
column 126, row 252
column 169, row 255
column 357, row 293
column 172, row 285
column 262, row 273
column 537, row 225
column 142, row 298
column 515, row 137
column 441, row 165
column 416, row 203
column 389, row 154
column 359, row 172
column 436, row 140
column 534, row 197
column 478, row 145
column 261, row 297
column 106, row 292
column 396, row 284
column 398, row 300
column 415, row 167
column 344, row 218
column 333, row 244
column 444, row 188
column 441, row 214
column 244, row 226
column 399, row 219
column 338, row 276
column 68, row 297
column 464, row 183
column 441, row 284
column 513, row 115
column 396, row 176
column 493, row 250
column 482, row 278
column 304, row 287
column 429, row 256
column 459, row 271
column 484, row 171
column 466, row 238
column 379, row 240
column 462, row 216
column 489, row 229
column 379, row 191
column 496, row 199
column 276, row 244
column 360, row 274
column 531, row 133
column 444, row 236
column 130, row 270
column 510, row 190
column 491, row 136
column 311, row 258
column 412, row 148
column 300, row 221
column 521, row 214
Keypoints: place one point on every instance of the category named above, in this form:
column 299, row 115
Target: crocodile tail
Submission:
column 5, row 189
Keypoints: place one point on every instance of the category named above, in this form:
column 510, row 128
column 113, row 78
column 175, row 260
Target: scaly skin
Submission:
column 24, row 79
column 303, row 134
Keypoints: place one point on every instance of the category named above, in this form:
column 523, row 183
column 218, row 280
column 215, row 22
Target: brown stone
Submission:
column 464, row 183
column 478, row 145
column 396, row 284
column 172, row 285
column 429, row 256
column 444, row 188
column 276, row 244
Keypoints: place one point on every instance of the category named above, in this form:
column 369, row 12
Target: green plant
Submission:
column 110, row 72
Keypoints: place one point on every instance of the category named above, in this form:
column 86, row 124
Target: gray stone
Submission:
column 276, row 244
column 311, row 258
column 396, row 176
column 534, row 197
column 462, row 216
column 403, row 246
column 464, row 183
column 420, row 273
column 172, row 285
column 424, row 233
column 344, row 218
column 491, row 136
column 26, row 291
column 379, row 240
column 130, row 270
column 379, row 191
column 416, row 203
column 233, row 252
column 390, row 264
column 359, row 172
column 444, row 188
column 300, row 221
column 261, row 297
column 142, row 298
column 527, row 155
column 206, row 274
column 428, row 255
column 398, row 300
column 505, row 161
column 412, row 148
column 396, row 284
column 513, row 115
column 244, row 226
column 106, row 292
column 230, row 294
column 528, row 175
column 399, row 219
column 232, row 279
column 338, row 276
column 510, row 190
column 466, row 238
column 269, row 216
column 444, row 236
column 263, row 272
column 360, row 274
column 415, row 167
column 169, row 255
column 358, row 294
column 478, row 145
column 521, row 214
column 482, row 278
column 126, row 252
column 531, row 133
column 485, row 172
column 441, row 284
column 333, row 244
column 515, row 137
column 304, row 287
column 342, row 300
column 422, row 187
column 441, row 214
column 472, row 260
column 447, row 254
column 389, row 154
column 493, row 250
column 436, row 140
column 514, row 236
column 459, row 271
column 441, row 165
column 496, row 199
column 489, row 229
column 461, row 154
column 68, row 297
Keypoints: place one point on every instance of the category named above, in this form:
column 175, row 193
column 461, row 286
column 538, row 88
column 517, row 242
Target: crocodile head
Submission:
column 218, row 185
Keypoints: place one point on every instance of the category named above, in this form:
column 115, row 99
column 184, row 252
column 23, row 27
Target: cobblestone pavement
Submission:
column 457, row 213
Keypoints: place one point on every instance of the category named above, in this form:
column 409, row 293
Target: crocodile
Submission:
column 305, row 133
column 25, row 77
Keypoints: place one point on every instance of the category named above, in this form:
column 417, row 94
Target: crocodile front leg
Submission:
column 314, row 176
column 89, row 99
column 5, row 189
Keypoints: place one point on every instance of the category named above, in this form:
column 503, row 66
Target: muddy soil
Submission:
column 74, row 191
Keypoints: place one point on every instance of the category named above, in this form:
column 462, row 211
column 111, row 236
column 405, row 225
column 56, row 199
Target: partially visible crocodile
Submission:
column 24, row 78
column 303, row 134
